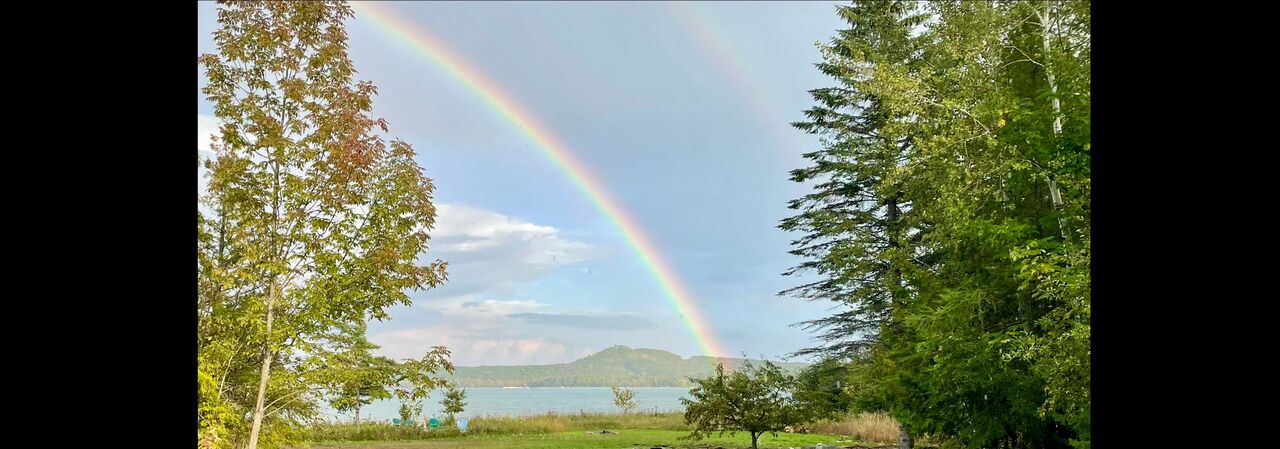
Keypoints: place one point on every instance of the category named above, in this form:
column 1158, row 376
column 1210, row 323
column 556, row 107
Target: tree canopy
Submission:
column 752, row 399
column 949, row 217
column 312, row 225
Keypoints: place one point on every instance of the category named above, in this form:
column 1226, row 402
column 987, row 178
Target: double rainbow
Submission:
column 560, row 156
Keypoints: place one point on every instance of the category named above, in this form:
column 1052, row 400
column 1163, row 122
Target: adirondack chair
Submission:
column 435, row 422
column 395, row 421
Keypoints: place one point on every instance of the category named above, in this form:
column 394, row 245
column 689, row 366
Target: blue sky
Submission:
column 697, row 153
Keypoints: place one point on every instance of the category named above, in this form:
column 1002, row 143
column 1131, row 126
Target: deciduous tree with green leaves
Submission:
column 453, row 402
column 359, row 377
column 751, row 399
column 313, row 220
column 624, row 399
column 416, row 378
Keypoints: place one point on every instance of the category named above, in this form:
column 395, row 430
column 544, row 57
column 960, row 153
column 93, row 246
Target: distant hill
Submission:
column 618, row 365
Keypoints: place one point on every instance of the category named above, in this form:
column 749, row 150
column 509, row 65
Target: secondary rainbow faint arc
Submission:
column 560, row 156
column 731, row 66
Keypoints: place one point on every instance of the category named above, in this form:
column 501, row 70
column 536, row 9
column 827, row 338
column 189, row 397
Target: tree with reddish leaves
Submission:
column 313, row 220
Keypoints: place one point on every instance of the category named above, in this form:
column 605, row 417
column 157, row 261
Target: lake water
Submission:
column 529, row 401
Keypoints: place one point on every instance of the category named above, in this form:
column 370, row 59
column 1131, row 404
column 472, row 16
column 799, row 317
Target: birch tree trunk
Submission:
column 259, row 408
column 1054, row 193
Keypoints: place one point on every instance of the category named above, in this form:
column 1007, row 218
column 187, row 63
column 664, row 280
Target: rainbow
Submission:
column 709, row 38
column 561, row 157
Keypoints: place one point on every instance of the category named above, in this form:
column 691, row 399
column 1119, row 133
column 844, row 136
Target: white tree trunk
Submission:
column 357, row 416
column 1054, row 193
column 259, row 409
column 904, row 438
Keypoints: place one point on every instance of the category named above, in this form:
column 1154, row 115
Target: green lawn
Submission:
column 626, row 438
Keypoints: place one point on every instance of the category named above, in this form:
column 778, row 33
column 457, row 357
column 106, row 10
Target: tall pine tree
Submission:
column 962, row 257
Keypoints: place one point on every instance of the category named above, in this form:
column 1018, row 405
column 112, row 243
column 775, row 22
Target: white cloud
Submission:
column 500, row 332
column 490, row 253
column 465, row 230
column 499, row 308
column 474, row 348
column 604, row 321
column 478, row 332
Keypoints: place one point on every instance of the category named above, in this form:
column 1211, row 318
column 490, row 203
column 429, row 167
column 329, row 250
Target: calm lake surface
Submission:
column 529, row 401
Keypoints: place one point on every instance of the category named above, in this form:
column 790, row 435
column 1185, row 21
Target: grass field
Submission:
column 577, row 431
column 625, row 438
column 502, row 425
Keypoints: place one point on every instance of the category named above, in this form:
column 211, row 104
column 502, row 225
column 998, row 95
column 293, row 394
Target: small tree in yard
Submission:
column 363, row 385
column 751, row 399
column 624, row 399
column 409, row 409
column 358, row 377
column 452, row 401
column 415, row 380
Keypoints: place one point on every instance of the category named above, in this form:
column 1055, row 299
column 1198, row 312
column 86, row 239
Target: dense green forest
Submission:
column 949, row 218
column 615, row 366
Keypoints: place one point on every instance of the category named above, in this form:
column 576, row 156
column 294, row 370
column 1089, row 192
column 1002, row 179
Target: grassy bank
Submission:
column 578, row 430
column 624, row 439
column 501, row 425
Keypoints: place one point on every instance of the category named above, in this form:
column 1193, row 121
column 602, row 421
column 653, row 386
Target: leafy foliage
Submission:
column 314, row 224
column 820, row 388
column 416, row 378
column 624, row 399
column 359, row 377
column 751, row 399
column 949, row 217
column 453, row 401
